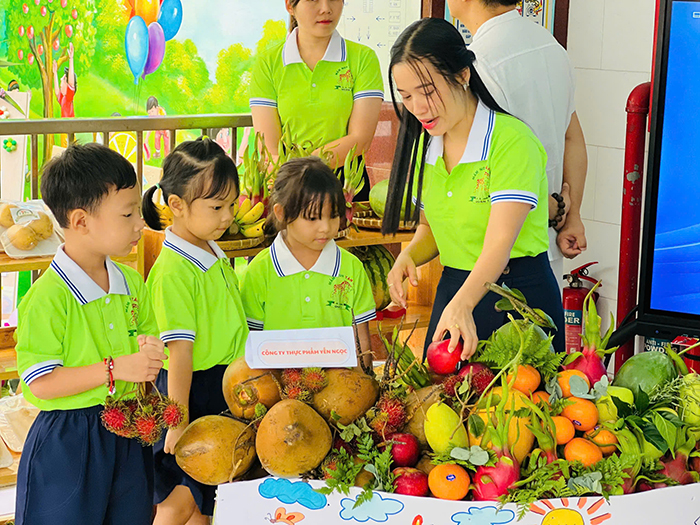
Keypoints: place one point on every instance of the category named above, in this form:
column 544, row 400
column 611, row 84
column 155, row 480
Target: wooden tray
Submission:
column 375, row 223
column 239, row 242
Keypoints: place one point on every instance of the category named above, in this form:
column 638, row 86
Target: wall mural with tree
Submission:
column 193, row 56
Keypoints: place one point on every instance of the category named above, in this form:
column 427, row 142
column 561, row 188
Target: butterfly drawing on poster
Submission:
column 281, row 516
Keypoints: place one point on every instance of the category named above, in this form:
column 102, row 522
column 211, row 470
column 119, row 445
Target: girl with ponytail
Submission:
column 475, row 177
column 198, row 307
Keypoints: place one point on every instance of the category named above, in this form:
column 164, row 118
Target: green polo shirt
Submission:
column 503, row 161
column 66, row 319
column 280, row 294
column 315, row 105
column 196, row 298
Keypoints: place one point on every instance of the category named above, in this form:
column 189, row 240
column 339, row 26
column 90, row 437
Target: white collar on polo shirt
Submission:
column 478, row 143
column 335, row 52
column 81, row 285
column 286, row 264
column 202, row 259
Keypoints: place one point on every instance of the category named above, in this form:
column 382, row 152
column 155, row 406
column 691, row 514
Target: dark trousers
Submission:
column 533, row 276
column 74, row 471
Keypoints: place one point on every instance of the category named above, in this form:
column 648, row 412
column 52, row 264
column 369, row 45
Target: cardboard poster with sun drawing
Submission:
column 293, row 501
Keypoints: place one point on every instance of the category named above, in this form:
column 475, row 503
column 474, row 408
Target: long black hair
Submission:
column 196, row 169
column 438, row 42
column 302, row 187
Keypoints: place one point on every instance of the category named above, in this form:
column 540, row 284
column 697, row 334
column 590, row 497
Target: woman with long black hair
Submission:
column 478, row 176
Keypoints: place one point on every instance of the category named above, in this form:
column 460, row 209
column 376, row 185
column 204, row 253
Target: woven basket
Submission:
column 369, row 220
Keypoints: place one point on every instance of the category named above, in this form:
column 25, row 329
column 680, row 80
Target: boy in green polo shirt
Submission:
column 86, row 330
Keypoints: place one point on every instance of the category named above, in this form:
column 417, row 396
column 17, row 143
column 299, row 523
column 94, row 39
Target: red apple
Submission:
column 20, row 54
column 25, row 8
column 37, row 2
column 441, row 360
column 64, row 3
column 74, row 14
column 405, row 449
column 69, row 30
column 480, row 376
column 30, row 32
column 56, row 45
column 30, row 59
column 40, row 49
column 411, row 481
column 21, row 30
column 43, row 10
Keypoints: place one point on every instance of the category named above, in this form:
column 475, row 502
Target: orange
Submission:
column 564, row 428
column 563, row 380
column 527, row 379
column 582, row 413
column 580, row 449
column 449, row 481
column 540, row 397
column 602, row 437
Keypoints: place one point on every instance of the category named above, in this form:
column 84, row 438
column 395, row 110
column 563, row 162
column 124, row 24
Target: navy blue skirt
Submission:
column 73, row 470
column 206, row 399
column 533, row 276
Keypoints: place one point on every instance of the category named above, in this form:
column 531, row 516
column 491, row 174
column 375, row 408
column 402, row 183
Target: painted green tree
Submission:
column 38, row 33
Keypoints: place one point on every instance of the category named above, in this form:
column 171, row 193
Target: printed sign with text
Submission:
column 322, row 347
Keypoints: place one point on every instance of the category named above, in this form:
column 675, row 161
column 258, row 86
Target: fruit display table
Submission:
column 294, row 501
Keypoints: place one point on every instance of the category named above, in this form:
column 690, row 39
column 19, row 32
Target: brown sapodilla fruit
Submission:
column 417, row 404
column 215, row 449
column 292, row 439
column 244, row 388
column 350, row 393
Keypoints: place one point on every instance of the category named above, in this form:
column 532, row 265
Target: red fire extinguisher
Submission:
column 574, row 295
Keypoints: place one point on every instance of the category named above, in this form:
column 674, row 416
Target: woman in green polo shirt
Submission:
column 481, row 186
column 323, row 88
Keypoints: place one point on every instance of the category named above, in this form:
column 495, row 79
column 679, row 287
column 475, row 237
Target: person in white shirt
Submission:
column 529, row 75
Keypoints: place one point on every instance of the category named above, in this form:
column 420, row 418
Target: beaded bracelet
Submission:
column 561, row 207
column 109, row 383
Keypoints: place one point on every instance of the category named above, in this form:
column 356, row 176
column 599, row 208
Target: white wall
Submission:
column 610, row 45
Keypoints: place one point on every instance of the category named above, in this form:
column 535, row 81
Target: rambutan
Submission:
column 291, row 376
column 329, row 464
column 395, row 410
column 173, row 414
column 148, row 429
column 450, row 385
column 314, row 379
column 114, row 418
column 297, row 392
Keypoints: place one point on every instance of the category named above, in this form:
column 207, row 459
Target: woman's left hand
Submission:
column 459, row 322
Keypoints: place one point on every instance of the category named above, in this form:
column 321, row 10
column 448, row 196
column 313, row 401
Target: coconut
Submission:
column 349, row 394
column 418, row 403
column 244, row 388
column 292, row 439
column 215, row 449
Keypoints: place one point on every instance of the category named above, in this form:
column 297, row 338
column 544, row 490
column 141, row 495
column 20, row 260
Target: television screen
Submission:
column 671, row 277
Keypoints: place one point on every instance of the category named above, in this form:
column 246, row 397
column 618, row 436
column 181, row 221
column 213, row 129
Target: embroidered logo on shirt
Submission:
column 341, row 288
column 345, row 79
column 132, row 309
column 482, row 184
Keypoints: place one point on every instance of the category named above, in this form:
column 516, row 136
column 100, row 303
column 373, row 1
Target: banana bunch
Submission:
column 248, row 219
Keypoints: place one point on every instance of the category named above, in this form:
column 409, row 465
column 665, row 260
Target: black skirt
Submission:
column 533, row 276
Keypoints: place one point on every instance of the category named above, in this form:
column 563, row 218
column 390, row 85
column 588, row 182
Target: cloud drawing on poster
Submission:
column 484, row 516
column 292, row 492
column 377, row 509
